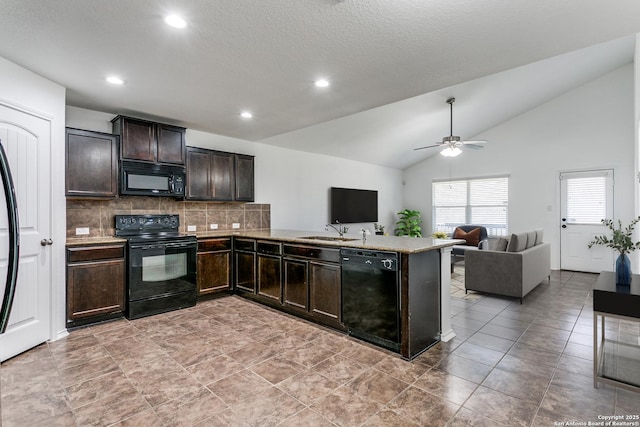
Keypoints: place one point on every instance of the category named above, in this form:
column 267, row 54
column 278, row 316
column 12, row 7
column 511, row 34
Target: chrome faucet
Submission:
column 341, row 229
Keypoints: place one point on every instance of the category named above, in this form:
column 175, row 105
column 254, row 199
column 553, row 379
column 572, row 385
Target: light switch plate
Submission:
column 191, row 228
column 82, row 231
column 213, row 226
column 235, row 225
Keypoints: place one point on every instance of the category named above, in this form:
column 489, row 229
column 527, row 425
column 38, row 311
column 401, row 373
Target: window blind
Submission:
column 481, row 201
column 587, row 199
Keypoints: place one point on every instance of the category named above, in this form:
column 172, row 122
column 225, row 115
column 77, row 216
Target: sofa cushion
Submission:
column 539, row 233
column 531, row 239
column 517, row 242
column 501, row 244
column 472, row 237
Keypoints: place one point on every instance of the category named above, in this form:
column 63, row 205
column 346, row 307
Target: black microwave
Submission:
column 150, row 179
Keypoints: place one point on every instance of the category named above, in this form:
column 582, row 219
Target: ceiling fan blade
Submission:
column 473, row 146
column 429, row 146
column 476, row 142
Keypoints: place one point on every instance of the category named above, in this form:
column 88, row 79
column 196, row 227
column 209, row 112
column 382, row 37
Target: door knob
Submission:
column 46, row 242
column 564, row 225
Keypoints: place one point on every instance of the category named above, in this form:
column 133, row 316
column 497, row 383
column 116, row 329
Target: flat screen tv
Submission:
column 349, row 205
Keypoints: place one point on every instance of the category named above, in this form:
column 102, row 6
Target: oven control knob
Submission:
column 387, row 263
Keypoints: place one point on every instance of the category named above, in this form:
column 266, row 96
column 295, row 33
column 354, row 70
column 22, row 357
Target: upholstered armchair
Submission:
column 476, row 238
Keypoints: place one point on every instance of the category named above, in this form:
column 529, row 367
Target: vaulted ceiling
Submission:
column 391, row 64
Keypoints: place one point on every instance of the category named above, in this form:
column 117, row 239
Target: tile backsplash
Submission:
column 97, row 215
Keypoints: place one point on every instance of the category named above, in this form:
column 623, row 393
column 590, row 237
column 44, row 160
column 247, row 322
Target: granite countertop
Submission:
column 373, row 242
column 403, row 244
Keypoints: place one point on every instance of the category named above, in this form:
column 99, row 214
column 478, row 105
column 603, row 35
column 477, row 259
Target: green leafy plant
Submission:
column 621, row 237
column 439, row 235
column 409, row 223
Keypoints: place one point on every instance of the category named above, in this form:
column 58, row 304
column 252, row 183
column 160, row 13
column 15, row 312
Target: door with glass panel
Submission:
column 585, row 199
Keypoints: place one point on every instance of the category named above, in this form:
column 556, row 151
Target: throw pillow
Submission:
column 472, row 237
column 539, row 232
column 517, row 242
column 501, row 244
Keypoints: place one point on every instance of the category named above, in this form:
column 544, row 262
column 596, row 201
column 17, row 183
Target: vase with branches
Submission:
column 621, row 241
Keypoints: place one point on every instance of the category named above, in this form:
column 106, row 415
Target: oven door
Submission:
column 162, row 277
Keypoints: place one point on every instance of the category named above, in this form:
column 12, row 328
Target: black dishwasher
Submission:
column 370, row 296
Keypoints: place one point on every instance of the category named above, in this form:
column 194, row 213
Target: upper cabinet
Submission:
column 91, row 164
column 244, row 178
column 149, row 141
column 219, row 176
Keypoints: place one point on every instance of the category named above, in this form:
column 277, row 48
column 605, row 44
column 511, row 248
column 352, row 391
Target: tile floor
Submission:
column 230, row 362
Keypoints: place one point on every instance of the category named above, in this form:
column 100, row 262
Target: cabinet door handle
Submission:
column 46, row 242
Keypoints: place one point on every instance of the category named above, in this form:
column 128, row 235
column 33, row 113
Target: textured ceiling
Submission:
column 263, row 55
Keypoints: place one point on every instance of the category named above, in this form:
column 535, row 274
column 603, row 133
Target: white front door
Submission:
column 586, row 199
column 26, row 139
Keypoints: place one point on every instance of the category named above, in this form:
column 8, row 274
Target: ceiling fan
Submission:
column 452, row 144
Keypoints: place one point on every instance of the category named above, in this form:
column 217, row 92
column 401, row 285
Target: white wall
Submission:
column 22, row 88
column 295, row 183
column 591, row 127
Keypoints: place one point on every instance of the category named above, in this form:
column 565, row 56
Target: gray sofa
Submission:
column 513, row 271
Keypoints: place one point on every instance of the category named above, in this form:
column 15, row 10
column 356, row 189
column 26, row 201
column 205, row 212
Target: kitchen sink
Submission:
column 329, row 238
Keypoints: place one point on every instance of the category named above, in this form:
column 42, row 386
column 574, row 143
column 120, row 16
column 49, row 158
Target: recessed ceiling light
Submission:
column 175, row 21
column 246, row 115
column 322, row 83
column 114, row 80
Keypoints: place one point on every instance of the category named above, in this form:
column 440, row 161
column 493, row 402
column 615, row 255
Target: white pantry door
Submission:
column 586, row 199
column 26, row 139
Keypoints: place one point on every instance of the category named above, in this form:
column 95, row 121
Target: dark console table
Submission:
column 615, row 362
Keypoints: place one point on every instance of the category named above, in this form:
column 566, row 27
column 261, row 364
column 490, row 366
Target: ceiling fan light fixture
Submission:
column 451, row 152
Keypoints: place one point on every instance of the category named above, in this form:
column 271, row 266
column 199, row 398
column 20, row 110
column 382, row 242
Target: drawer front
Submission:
column 313, row 252
column 212, row 245
column 94, row 253
column 245, row 245
column 272, row 248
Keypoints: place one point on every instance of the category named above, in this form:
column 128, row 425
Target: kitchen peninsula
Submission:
column 304, row 273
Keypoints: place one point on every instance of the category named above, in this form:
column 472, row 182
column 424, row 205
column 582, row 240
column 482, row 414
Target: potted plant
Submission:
column 409, row 223
column 622, row 243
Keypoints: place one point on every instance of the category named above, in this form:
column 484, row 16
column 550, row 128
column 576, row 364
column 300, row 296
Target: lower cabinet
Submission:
column 214, row 265
column 312, row 282
column 96, row 282
column 270, row 270
column 245, row 265
column 296, row 284
column 324, row 289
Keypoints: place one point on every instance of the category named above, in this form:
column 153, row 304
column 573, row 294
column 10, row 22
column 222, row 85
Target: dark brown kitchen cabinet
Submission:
column 214, row 265
column 269, row 270
column 244, row 175
column 324, row 289
column 210, row 175
column 150, row 141
column 296, row 283
column 219, row 176
column 245, row 265
column 95, row 283
column 91, row 160
column 314, row 281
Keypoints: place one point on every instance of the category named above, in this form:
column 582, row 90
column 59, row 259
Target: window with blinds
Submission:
column 482, row 201
column 586, row 197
